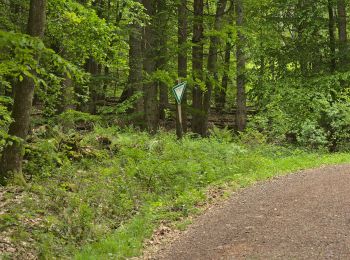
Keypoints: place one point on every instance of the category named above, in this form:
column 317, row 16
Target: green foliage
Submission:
column 5, row 119
column 11, row 18
column 19, row 55
column 72, row 119
column 311, row 135
column 106, row 189
column 123, row 109
column 224, row 135
column 103, row 190
column 80, row 32
column 41, row 156
column 311, row 111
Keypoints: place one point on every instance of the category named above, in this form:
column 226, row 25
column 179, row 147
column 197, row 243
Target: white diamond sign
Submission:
column 179, row 91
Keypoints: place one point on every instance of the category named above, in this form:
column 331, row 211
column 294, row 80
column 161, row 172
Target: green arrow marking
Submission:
column 179, row 91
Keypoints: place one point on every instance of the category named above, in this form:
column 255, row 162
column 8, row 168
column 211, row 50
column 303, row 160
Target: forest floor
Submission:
column 109, row 194
column 300, row 216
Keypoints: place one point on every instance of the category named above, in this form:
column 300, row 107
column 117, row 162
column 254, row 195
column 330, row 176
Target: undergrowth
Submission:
column 99, row 194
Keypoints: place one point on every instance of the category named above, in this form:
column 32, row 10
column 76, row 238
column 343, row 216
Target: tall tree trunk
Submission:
column 135, row 71
column 220, row 97
column 182, row 58
column 343, row 36
column 300, row 40
column 212, row 62
column 331, row 27
column 197, row 67
column 241, row 114
column 11, row 161
column 93, row 68
column 135, row 78
column 66, row 95
column 161, row 24
column 151, row 104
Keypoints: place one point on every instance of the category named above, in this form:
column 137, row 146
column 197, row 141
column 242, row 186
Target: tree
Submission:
column 331, row 24
column 241, row 115
column 161, row 24
column 150, row 89
column 135, row 69
column 182, row 58
column 220, row 93
column 11, row 161
column 343, row 37
column 212, row 67
column 197, row 68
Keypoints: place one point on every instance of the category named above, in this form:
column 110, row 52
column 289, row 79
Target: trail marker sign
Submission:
column 179, row 91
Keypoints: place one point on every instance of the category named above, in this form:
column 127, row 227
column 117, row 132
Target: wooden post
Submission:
column 179, row 127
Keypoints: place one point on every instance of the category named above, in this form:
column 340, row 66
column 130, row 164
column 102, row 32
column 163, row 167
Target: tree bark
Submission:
column 11, row 161
column 161, row 62
column 212, row 78
column 241, row 114
column 93, row 68
column 301, row 26
column 182, row 58
column 66, row 95
column 343, row 37
column 220, row 97
column 331, row 27
column 197, row 67
column 135, row 70
column 135, row 78
column 151, row 104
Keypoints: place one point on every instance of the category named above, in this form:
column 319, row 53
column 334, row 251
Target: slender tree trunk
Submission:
column 135, row 78
column 135, row 70
column 212, row 78
column 151, row 104
column 241, row 114
column 300, row 41
column 66, row 95
column 261, row 76
column 343, row 36
column 220, row 97
column 161, row 24
column 182, row 58
column 197, row 67
column 331, row 28
column 103, row 95
column 135, row 84
column 11, row 161
column 93, row 68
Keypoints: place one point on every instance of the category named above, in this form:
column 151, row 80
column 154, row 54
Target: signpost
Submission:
column 179, row 91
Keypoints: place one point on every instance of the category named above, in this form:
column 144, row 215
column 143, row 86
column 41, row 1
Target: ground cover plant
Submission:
column 101, row 193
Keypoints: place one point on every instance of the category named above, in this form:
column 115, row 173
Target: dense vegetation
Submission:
column 89, row 159
column 98, row 195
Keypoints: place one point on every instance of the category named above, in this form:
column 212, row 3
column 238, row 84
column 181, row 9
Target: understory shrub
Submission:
column 102, row 180
column 310, row 112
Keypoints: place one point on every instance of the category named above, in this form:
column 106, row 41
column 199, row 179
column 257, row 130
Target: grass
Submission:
column 128, row 240
column 99, row 195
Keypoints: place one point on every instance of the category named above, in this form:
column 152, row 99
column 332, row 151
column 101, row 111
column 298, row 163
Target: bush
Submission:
column 130, row 176
column 312, row 136
column 5, row 120
column 77, row 120
column 307, row 112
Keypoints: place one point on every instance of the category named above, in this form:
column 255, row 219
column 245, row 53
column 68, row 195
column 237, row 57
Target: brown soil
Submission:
column 300, row 216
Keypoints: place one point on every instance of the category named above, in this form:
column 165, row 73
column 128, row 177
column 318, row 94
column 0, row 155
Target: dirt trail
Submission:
column 300, row 216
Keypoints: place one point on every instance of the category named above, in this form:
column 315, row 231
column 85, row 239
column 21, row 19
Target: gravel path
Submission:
column 300, row 216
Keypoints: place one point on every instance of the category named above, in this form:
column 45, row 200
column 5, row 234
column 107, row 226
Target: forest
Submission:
column 95, row 152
